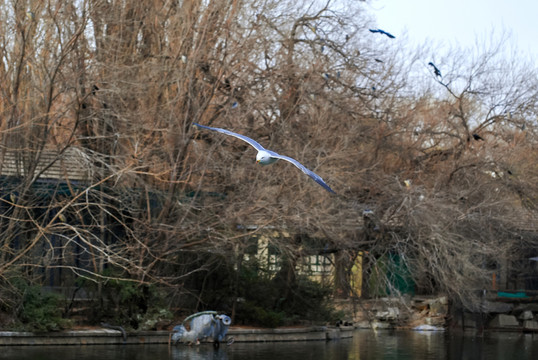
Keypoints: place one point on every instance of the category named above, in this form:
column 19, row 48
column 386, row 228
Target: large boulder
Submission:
column 531, row 325
column 526, row 315
column 390, row 314
column 497, row 307
column 504, row 321
column 438, row 306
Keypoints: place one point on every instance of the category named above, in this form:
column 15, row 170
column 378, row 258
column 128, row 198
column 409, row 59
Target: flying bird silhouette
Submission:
column 267, row 157
column 382, row 32
column 436, row 71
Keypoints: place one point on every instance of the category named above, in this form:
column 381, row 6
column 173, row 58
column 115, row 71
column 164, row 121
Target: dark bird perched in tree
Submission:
column 477, row 137
column 436, row 71
column 382, row 32
column 227, row 85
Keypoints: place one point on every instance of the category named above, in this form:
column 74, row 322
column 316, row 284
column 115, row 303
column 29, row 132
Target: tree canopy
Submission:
column 438, row 168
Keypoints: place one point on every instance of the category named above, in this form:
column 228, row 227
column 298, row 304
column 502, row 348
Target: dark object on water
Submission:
column 343, row 323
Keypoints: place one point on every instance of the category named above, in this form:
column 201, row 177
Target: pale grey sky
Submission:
column 460, row 22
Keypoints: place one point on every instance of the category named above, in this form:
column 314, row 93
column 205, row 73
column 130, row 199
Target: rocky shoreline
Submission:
column 433, row 313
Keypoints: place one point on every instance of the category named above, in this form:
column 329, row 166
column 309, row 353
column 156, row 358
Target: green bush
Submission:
column 128, row 303
column 40, row 311
column 270, row 301
column 252, row 313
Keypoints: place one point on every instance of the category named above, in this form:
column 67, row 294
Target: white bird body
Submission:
column 264, row 157
column 268, row 157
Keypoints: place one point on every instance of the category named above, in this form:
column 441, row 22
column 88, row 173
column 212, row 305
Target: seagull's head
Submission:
column 264, row 158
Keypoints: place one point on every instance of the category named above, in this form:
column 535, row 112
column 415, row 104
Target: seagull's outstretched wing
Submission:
column 190, row 317
column 308, row 172
column 252, row 142
column 273, row 154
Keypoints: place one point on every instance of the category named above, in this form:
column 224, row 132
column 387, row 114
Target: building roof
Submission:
column 72, row 164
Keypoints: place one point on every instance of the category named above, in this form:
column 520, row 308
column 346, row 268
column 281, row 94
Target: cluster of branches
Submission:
column 122, row 82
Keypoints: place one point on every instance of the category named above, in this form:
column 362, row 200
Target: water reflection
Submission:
column 204, row 352
column 509, row 346
column 398, row 345
column 365, row 345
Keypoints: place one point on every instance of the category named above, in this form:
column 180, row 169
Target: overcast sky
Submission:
column 460, row 21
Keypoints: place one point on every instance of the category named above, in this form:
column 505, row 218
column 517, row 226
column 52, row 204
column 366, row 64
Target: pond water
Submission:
column 365, row 345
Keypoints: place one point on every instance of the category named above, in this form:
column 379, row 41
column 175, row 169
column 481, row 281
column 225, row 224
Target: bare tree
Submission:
column 453, row 206
column 117, row 86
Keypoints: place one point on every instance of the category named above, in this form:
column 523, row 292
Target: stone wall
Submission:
column 434, row 313
column 501, row 316
column 395, row 312
column 114, row 337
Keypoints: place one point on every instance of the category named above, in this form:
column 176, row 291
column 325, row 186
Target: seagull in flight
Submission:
column 382, row 32
column 267, row 157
